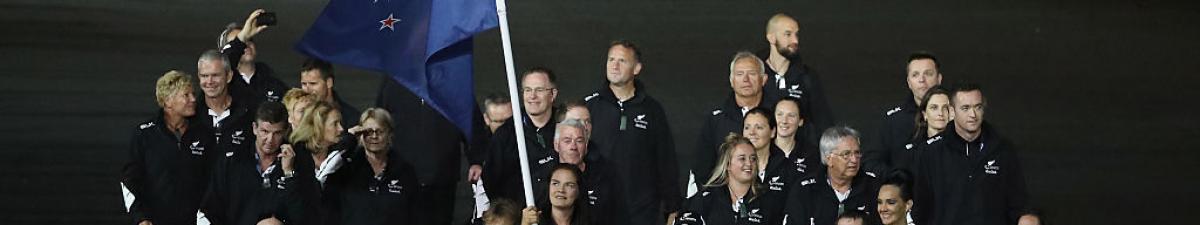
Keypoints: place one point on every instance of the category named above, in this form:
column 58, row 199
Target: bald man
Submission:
column 787, row 75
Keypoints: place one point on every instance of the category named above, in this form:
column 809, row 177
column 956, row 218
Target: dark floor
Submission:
column 1099, row 95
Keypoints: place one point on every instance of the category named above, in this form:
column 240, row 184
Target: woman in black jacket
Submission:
column 731, row 194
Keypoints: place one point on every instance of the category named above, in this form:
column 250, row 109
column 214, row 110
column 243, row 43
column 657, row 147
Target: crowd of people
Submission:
column 253, row 150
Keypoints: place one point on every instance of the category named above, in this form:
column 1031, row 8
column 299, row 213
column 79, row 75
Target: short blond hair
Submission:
column 169, row 84
column 293, row 96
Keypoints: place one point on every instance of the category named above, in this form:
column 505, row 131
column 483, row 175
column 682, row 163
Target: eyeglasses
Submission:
column 845, row 155
column 370, row 132
column 536, row 90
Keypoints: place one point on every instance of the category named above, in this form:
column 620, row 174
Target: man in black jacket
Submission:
column 502, row 177
column 316, row 78
column 900, row 122
column 255, row 82
column 164, row 178
column 244, row 180
column 745, row 79
column 225, row 115
column 630, row 128
column 789, row 76
column 843, row 186
column 969, row 174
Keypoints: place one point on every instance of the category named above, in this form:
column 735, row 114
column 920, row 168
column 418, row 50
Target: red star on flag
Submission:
column 388, row 23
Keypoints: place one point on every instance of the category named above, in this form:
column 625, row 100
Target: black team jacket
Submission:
column 635, row 136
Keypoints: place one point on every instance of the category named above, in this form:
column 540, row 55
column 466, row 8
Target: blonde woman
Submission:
column 731, row 194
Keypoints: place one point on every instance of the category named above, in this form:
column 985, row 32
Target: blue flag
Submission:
column 424, row 45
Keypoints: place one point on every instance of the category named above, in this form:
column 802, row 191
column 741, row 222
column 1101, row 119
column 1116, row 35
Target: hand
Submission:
column 286, row 156
column 474, row 173
column 250, row 28
column 270, row 221
column 671, row 218
column 356, row 129
column 145, row 222
column 529, row 215
column 1029, row 219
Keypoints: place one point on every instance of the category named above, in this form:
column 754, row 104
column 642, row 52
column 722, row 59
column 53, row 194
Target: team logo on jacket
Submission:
column 545, row 160
column 237, row 137
column 754, row 216
column 894, row 110
column 800, row 166
column 775, row 184
column 934, row 139
column 640, row 121
column 196, row 148
column 592, row 197
column 272, row 97
column 590, row 97
column 795, row 91
column 908, row 146
column 147, row 125
column 394, row 187
column 991, row 167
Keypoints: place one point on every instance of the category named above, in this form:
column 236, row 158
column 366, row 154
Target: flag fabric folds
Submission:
column 425, row 45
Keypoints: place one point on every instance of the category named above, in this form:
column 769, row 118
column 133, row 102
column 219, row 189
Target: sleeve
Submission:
column 796, row 209
column 133, row 178
column 233, row 52
column 923, row 199
column 668, row 165
column 300, row 194
column 476, row 152
column 1016, row 195
column 692, row 211
column 496, row 171
column 820, row 110
column 214, row 201
column 705, row 155
column 879, row 157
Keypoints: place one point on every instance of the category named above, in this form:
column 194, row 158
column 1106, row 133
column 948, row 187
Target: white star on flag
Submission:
column 388, row 23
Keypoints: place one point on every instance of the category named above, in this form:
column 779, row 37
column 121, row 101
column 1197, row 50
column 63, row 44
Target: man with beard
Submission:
column 789, row 76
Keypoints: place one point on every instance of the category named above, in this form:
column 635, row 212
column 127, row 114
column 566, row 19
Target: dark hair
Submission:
column 799, row 104
column 964, row 87
column 565, row 107
column 919, row 55
column 765, row 113
column 637, row 53
column 922, row 125
column 579, row 211
column 549, row 74
column 503, row 208
column 271, row 112
column 852, row 214
column 495, row 98
column 322, row 66
column 902, row 179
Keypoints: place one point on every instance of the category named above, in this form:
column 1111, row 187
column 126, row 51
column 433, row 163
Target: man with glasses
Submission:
column 502, row 171
column 969, row 174
column 844, row 186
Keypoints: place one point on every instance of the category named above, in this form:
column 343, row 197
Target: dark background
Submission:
column 1099, row 95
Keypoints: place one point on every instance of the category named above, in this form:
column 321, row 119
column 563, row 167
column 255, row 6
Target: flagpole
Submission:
column 518, row 123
